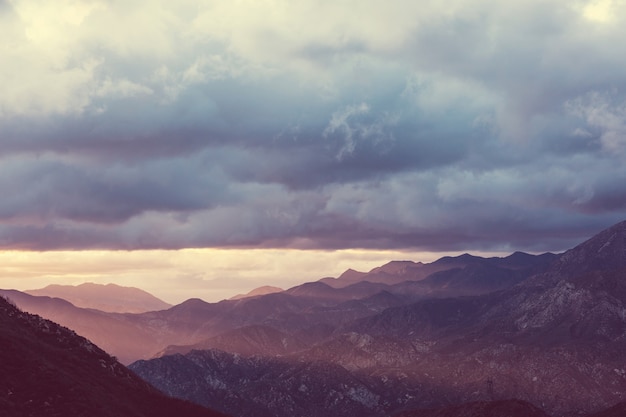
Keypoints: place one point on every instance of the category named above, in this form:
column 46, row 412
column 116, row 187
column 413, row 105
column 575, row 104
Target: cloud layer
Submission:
column 472, row 125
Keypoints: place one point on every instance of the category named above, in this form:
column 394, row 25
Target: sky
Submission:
column 229, row 132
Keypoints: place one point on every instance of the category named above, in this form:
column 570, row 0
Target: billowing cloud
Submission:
column 472, row 125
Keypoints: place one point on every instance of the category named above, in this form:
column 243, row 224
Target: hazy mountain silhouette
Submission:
column 264, row 290
column 110, row 297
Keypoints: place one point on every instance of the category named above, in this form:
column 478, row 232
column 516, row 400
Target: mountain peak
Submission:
column 519, row 255
column 351, row 275
column 604, row 251
column 264, row 290
column 465, row 258
column 395, row 267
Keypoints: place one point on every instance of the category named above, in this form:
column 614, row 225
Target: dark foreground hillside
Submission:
column 503, row 408
column 48, row 370
column 618, row 410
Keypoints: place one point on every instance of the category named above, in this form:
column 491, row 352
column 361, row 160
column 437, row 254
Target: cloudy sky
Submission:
column 308, row 127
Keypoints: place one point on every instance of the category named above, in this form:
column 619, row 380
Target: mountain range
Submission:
column 304, row 313
column 554, row 336
column 463, row 335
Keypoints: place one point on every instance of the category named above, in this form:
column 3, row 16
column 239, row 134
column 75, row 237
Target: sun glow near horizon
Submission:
column 177, row 275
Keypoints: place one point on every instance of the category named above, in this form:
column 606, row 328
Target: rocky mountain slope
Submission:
column 48, row 370
column 261, row 386
column 556, row 339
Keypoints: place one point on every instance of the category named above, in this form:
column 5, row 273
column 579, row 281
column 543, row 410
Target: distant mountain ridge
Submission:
column 111, row 298
column 297, row 312
column 264, row 290
column 398, row 272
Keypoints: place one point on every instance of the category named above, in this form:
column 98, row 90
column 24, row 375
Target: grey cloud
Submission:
column 486, row 127
column 47, row 188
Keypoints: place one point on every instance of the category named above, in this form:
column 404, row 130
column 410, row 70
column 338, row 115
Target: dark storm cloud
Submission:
column 470, row 126
column 67, row 189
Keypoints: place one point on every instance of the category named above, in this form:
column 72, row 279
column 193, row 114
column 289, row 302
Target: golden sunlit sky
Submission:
column 204, row 148
column 177, row 275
